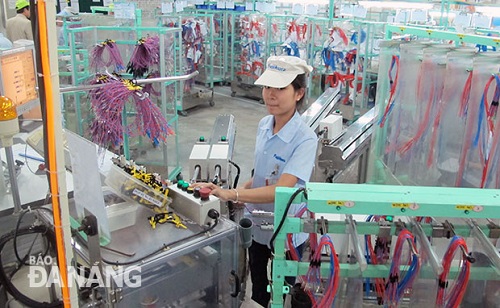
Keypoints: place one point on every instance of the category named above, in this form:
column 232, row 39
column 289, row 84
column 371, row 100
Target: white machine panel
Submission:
column 332, row 125
column 193, row 208
column 198, row 157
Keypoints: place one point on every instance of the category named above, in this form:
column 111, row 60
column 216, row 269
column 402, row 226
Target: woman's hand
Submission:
column 223, row 194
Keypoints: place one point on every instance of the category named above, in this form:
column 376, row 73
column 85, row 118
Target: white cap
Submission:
column 282, row 70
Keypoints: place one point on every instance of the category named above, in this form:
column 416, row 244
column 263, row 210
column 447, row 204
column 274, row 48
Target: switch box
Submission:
column 192, row 208
column 332, row 126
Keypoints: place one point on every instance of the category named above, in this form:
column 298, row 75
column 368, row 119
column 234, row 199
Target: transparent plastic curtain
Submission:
column 451, row 127
column 378, row 173
column 419, row 146
column 402, row 122
column 478, row 138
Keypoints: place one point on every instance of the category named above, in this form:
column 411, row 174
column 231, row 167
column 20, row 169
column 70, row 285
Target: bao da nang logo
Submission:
column 44, row 272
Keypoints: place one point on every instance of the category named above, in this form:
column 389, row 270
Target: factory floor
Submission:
column 199, row 122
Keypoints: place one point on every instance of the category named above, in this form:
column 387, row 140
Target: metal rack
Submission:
column 466, row 204
column 137, row 148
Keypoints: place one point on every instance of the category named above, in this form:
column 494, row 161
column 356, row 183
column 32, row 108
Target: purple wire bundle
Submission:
column 107, row 103
column 146, row 54
column 149, row 120
column 106, row 54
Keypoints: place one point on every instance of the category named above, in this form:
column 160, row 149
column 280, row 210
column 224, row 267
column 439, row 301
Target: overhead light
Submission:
column 395, row 5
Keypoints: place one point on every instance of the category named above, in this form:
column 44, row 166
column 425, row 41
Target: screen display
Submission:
column 18, row 75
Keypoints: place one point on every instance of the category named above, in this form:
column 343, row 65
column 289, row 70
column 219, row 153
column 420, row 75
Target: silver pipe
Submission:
column 137, row 81
column 490, row 250
column 196, row 173
column 14, row 189
column 437, row 267
column 355, row 240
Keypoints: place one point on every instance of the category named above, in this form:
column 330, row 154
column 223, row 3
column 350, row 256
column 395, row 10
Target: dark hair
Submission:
column 20, row 11
column 300, row 82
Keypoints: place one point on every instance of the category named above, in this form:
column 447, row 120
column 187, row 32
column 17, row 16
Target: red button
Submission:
column 204, row 193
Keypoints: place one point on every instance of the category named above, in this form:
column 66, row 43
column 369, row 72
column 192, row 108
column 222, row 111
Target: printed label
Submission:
column 146, row 197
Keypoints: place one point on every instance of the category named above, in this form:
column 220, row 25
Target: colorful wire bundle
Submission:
column 397, row 285
column 146, row 54
column 377, row 255
column 106, row 54
column 392, row 89
column 464, row 101
column 453, row 297
column 488, row 139
column 323, row 295
column 108, row 103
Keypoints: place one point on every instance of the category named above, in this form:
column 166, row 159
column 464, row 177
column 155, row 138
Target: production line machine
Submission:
column 397, row 246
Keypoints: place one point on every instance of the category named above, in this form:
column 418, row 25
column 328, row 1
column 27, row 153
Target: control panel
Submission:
column 193, row 203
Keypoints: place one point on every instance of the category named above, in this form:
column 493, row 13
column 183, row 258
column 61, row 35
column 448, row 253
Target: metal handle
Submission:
column 488, row 247
column 355, row 240
column 137, row 81
column 426, row 245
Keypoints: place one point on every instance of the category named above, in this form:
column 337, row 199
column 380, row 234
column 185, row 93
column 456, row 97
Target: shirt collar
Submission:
column 288, row 131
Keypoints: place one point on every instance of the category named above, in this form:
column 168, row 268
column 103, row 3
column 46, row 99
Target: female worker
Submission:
column 285, row 150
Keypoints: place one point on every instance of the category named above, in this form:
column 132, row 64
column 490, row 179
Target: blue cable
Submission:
column 292, row 49
column 354, row 37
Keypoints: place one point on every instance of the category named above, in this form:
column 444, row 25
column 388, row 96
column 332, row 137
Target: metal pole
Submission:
column 137, row 81
column 13, row 180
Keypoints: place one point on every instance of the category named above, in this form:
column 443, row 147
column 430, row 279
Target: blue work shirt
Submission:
column 292, row 150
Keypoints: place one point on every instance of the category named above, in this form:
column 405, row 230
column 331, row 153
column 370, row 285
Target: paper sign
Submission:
column 462, row 20
column 179, row 6
column 419, row 16
column 298, row 9
column 167, row 8
column 481, row 21
column 104, row 2
column 221, row 4
column 347, row 10
column 229, row 5
column 259, row 6
column 248, row 6
column 402, row 17
column 359, row 11
column 124, row 10
column 312, row 9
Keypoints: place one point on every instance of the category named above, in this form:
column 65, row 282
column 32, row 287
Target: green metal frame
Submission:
column 442, row 35
column 370, row 199
column 84, row 38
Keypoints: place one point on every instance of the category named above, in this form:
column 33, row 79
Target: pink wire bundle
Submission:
column 106, row 54
column 451, row 296
column 149, row 120
column 146, row 54
column 323, row 294
column 108, row 103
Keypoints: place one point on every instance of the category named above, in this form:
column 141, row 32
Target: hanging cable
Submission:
column 393, row 83
column 397, row 285
column 323, row 294
column 285, row 213
column 456, row 291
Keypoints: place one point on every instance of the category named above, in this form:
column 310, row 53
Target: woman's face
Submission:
column 281, row 101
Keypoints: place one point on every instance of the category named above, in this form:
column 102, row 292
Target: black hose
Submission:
column 18, row 224
column 277, row 230
column 237, row 177
column 5, row 280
